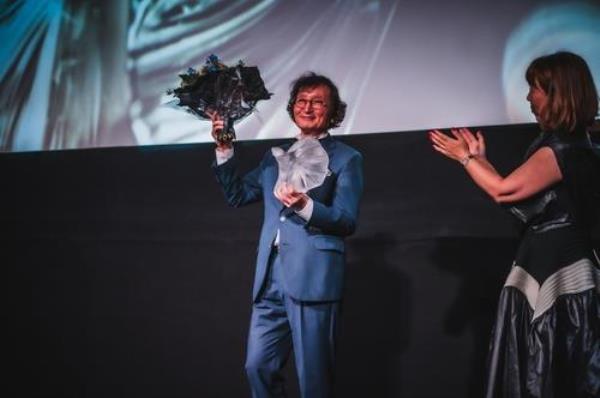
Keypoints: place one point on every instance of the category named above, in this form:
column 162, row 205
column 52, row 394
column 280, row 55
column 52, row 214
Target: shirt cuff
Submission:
column 223, row 155
column 306, row 212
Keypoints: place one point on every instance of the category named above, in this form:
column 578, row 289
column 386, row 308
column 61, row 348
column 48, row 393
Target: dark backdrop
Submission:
column 128, row 276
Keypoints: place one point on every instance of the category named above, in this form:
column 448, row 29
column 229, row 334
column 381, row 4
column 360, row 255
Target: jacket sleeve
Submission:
column 340, row 218
column 239, row 191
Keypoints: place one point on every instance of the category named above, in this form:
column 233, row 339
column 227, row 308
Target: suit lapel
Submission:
column 281, row 208
column 329, row 144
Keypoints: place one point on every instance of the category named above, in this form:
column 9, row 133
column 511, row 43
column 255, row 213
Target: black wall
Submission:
column 128, row 276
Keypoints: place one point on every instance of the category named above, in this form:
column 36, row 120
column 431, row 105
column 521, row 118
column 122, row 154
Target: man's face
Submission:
column 311, row 109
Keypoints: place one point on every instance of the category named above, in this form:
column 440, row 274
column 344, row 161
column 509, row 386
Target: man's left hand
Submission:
column 290, row 197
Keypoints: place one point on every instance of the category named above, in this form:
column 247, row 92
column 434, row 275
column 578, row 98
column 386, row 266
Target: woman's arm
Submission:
column 537, row 173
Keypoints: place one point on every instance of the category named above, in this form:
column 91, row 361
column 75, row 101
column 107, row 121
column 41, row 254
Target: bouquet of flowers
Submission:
column 230, row 91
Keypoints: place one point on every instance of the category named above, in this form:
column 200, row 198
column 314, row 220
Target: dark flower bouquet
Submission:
column 230, row 91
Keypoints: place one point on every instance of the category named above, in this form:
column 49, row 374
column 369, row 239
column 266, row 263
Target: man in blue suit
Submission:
column 300, row 265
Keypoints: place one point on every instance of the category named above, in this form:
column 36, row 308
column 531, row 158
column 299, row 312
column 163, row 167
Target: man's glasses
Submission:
column 316, row 104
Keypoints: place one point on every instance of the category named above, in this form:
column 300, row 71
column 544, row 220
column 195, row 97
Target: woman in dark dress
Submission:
column 546, row 339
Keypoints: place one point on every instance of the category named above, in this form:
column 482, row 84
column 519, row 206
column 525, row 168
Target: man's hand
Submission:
column 290, row 197
column 217, row 127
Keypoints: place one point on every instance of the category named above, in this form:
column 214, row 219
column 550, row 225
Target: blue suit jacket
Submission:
column 312, row 253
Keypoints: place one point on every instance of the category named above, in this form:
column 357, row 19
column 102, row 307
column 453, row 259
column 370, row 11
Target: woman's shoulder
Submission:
column 569, row 148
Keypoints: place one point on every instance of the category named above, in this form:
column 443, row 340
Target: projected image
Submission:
column 85, row 74
column 574, row 27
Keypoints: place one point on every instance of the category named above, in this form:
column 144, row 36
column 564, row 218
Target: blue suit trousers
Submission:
column 280, row 323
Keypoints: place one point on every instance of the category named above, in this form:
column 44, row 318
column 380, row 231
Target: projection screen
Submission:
column 80, row 74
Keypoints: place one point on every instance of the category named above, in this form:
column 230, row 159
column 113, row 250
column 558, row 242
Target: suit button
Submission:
column 282, row 218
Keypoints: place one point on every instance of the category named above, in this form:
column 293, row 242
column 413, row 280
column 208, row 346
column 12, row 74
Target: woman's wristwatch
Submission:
column 465, row 161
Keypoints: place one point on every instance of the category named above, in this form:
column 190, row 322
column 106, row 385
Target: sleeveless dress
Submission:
column 546, row 337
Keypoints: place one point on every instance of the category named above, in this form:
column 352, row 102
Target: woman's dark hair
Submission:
column 572, row 98
column 337, row 109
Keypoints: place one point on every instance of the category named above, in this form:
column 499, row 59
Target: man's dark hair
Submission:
column 337, row 109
